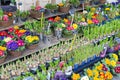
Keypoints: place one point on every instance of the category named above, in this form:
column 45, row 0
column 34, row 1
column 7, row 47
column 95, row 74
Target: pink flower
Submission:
column 5, row 18
column 11, row 36
column 69, row 22
column 1, row 53
column 20, row 34
column 61, row 64
column 37, row 8
column 11, row 29
column 95, row 21
column 20, row 43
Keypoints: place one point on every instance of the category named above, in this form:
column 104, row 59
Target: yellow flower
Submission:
column 107, row 9
column 113, row 63
column 65, row 20
column 83, row 19
column 22, row 31
column 16, row 27
column 109, row 75
column 89, row 21
column 75, row 76
column 89, row 72
column 3, row 48
column 115, row 57
column 60, row 4
column 93, row 9
column 95, row 78
column 93, row 16
column 30, row 39
column 7, row 39
column 35, row 38
column 107, row 61
column 75, row 26
column 117, row 14
column 96, row 73
column 63, row 25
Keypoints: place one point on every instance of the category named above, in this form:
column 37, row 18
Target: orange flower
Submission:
column 93, row 17
column 66, row 20
column 89, row 21
column 57, row 18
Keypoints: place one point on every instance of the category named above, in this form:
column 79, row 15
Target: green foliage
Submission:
column 51, row 6
column 24, row 14
column 74, row 2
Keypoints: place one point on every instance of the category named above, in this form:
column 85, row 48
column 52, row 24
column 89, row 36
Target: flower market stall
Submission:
column 72, row 40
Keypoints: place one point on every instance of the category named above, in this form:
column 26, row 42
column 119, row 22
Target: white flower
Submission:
column 85, row 78
column 68, row 71
column 85, row 12
column 7, row 39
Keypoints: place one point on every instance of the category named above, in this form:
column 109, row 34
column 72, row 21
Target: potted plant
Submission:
column 35, row 11
column 102, row 1
column 15, row 48
column 3, row 54
column 64, row 6
column 5, row 20
column 24, row 15
column 51, row 7
column 31, row 41
column 47, row 34
column 75, row 3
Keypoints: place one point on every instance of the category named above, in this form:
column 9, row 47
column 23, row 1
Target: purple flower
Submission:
column 12, row 45
column 27, row 33
column 1, row 37
column 59, row 75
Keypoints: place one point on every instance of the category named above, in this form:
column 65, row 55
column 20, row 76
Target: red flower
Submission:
column 1, row 53
column 69, row 22
column 20, row 43
column 16, row 31
column 3, row 33
column 116, row 48
column 51, row 19
column 20, row 34
column 11, row 36
column 11, row 29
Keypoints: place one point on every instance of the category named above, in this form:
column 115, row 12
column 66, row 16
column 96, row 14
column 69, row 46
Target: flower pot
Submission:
column 2, row 59
column 64, row 9
column 102, row 1
column 6, row 23
column 46, row 39
column 31, row 47
column 58, row 34
column 23, row 19
column 15, row 53
column 35, row 14
column 86, row 4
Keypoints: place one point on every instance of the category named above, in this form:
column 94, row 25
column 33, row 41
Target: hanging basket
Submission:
column 64, row 9
column 35, row 14
column 6, row 23
column 31, row 47
column 15, row 53
column 2, row 59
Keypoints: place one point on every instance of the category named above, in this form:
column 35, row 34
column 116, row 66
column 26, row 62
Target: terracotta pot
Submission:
column 102, row 1
column 64, row 9
column 31, row 47
column 15, row 53
column 6, row 23
column 2, row 59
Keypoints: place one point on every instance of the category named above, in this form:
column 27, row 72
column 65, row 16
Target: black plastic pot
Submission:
column 23, row 19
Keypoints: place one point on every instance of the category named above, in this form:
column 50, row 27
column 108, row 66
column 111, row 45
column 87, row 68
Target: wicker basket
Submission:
column 35, row 14
column 102, row 1
column 64, row 9
column 2, row 59
column 6, row 23
column 31, row 47
column 15, row 53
